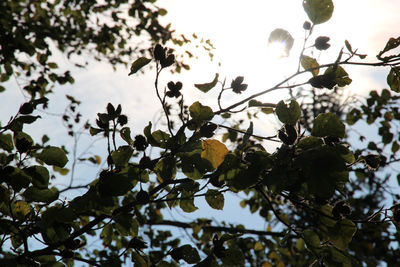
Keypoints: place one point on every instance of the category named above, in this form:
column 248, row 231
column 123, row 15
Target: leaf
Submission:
column 6, row 142
column 41, row 195
column 392, row 43
column 200, row 113
column 53, row 156
column 138, row 64
column 328, row 124
column 126, row 135
column 214, row 151
column 166, row 168
column 393, row 79
column 116, row 184
column 318, row 11
column 21, row 209
column 233, row 257
column 310, row 63
column 121, row 156
column 205, row 87
column 40, row 176
column 215, row 199
column 312, row 239
column 282, row 36
column 341, row 77
column 187, row 202
column 353, row 116
column 186, row 253
column 288, row 114
column 342, row 233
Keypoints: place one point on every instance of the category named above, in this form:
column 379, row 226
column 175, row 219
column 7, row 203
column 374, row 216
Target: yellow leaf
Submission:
column 21, row 209
column 266, row 264
column 310, row 63
column 269, row 228
column 214, row 151
column 98, row 159
column 258, row 246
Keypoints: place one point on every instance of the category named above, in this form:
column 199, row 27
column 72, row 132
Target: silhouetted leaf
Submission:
column 200, row 113
column 186, row 253
column 138, row 64
column 328, row 124
column 121, row 156
column 41, row 195
column 205, row 87
column 53, row 156
column 215, row 199
column 318, row 11
column 393, row 79
column 288, row 114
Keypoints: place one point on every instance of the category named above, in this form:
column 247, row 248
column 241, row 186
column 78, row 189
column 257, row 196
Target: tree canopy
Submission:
column 328, row 198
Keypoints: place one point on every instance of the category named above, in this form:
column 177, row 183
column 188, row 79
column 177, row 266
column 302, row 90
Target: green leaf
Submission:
column 116, row 184
column 40, row 176
column 288, row 114
column 393, row 79
column 149, row 136
column 187, row 202
column 41, row 195
column 342, row 233
column 353, row 116
column 205, row 87
column 256, row 103
column 318, row 11
column 215, row 199
column 93, row 131
column 309, row 142
column 138, row 64
column 282, row 36
column 6, row 142
column 200, row 113
column 166, row 169
column 341, row 76
column 121, row 156
column 233, row 257
column 126, row 225
column 186, row 253
column 310, row 63
column 19, row 179
column 139, row 260
column 126, row 135
column 392, row 43
column 328, row 124
column 53, row 156
column 312, row 239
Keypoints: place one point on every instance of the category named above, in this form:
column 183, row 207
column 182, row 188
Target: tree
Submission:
column 328, row 199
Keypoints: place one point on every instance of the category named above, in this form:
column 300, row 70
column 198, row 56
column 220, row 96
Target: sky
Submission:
column 239, row 30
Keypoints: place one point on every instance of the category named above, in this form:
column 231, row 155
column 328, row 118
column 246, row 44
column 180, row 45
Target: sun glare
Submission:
column 276, row 50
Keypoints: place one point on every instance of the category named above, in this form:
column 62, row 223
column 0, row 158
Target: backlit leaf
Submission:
column 393, row 79
column 318, row 11
column 205, row 87
column 53, row 156
column 288, row 114
column 328, row 124
column 138, row 64
column 200, row 113
column 41, row 195
column 214, row 151
column 310, row 63
column 283, row 37
column 215, row 199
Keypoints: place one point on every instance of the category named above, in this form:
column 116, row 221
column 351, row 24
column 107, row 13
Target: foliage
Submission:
column 326, row 199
